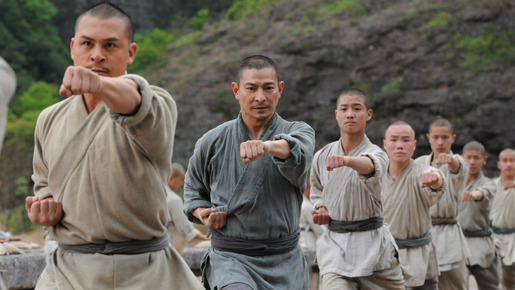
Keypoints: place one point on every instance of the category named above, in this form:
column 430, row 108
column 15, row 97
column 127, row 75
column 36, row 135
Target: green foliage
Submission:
column 22, row 189
column 491, row 47
column 241, row 9
column 352, row 6
column 199, row 19
column 393, row 87
column 386, row 100
column 17, row 221
column 152, row 51
column 441, row 20
column 39, row 96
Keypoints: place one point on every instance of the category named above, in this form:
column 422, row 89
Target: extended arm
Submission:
column 361, row 164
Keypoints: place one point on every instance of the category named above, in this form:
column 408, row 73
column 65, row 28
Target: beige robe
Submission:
column 474, row 216
column 406, row 210
column 7, row 89
column 109, row 171
column 350, row 196
column 502, row 215
column 450, row 242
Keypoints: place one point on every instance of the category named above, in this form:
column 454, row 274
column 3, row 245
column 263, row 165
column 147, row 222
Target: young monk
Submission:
column 450, row 243
column 503, row 216
column 473, row 216
column 411, row 189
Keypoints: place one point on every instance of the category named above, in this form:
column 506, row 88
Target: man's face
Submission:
column 475, row 159
column 176, row 182
column 506, row 163
column 400, row 143
column 102, row 45
column 258, row 94
column 352, row 114
column 441, row 139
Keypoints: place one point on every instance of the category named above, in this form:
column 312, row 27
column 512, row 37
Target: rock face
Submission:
column 417, row 60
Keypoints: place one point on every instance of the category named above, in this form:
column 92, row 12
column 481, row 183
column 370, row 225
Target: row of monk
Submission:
column 102, row 159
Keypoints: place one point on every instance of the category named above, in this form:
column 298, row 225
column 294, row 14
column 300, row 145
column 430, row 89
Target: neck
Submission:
column 351, row 141
column 91, row 102
column 507, row 177
column 256, row 127
column 471, row 177
column 395, row 169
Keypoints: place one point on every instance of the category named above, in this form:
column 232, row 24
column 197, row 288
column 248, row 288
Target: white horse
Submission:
column 7, row 88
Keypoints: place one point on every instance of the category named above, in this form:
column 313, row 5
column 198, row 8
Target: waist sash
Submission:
column 255, row 247
column 132, row 247
column 443, row 221
column 502, row 230
column 477, row 234
column 416, row 242
column 356, row 226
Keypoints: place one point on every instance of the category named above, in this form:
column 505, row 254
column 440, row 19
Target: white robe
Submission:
column 7, row 89
column 502, row 215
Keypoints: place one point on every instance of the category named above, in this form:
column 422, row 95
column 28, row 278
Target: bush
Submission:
column 240, row 9
column 199, row 19
column 152, row 48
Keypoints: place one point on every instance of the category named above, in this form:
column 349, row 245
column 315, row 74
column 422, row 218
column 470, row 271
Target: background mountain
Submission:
column 418, row 60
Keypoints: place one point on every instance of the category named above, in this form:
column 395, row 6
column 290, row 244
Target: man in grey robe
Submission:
column 450, row 242
column 474, row 218
column 245, row 182
column 178, row 220
column 502, row 216
column 7, row 89
column 358, row 251
column 411, row 189
column 101, row 161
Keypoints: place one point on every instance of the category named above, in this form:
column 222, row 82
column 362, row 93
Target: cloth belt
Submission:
column 443, row 221
column 355, row 226
column 477, row 234
column 502, row 230
column 416, row 242
column 132, row 247
column 255, row 247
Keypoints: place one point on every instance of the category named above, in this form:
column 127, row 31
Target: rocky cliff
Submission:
column 418, row 60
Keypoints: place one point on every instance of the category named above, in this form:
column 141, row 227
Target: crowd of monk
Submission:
column 102, row 162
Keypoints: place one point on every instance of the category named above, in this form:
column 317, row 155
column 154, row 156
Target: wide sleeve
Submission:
column 431, row 196
column 302, row 145
column 488, row 188
column 459, row 178
column 315, row 180
column 40, row 167
column 374, row 182
column 181, row 223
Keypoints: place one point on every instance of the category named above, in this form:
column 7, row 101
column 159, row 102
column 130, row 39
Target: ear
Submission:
column 281, row 87
column 133, row 48
column 384, row 144
column 72, row 43
column 369, row 114
column 453, row 137
column 427, row 136
column 235, row 90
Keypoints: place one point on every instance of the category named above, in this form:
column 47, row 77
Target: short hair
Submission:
column 355, row 92
column 441, row 122
column 507, row 150
column 177, row 169
column 474, row 145
column 399, row 123
column 106, row 10
column 256, row 62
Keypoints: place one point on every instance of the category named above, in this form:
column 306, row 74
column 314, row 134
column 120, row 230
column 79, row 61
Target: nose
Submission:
column 260, row 95
column 97, row 55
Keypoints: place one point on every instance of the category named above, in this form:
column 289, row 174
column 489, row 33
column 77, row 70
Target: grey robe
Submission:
column 109, row 171
column 406, row 210
column 7, row 89
column 262, row 198
column 502, row 215
column 475, row 216
column 350, row 196
column 450, row 242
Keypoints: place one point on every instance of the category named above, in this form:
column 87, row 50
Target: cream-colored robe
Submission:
column 350, row 196
column 502, row 215
column 474, row 216
column 406, row 210
column 7, row 89
column 109, row 171
column 450, row 242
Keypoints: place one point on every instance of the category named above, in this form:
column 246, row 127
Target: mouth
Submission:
column 261, row 108
column 99, row 71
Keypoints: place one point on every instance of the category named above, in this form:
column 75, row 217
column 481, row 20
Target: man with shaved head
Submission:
column 411, row 189
column 502, row 215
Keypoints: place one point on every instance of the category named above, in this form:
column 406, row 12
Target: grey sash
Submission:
column 443, row 221
column 502, row 230
column 256, row 247
column 477, row 234
column 356, row 226
column 132, row 247
column 416, row 242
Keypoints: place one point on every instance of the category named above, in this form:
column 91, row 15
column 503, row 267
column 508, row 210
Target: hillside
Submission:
column 418, row 60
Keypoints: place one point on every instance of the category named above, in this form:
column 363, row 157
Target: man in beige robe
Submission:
column 101, row 161
column 474, row 218
column 503, row 216
column 411, row 189
column 357, row 251
column 7, row 89
column 451, row 247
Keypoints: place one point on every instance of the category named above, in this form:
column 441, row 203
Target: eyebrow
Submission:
column 254, row 84
column 110, row 39
column 353, row 104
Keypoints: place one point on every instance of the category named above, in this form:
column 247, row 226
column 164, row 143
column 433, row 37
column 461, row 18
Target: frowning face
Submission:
column 400, row 143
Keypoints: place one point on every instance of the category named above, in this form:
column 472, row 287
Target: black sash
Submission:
column 255, row 247
column 356, row 226
column 132, row 247
column 477, row 234
column 416, row 242
column 502, row 230
column 443, row 221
